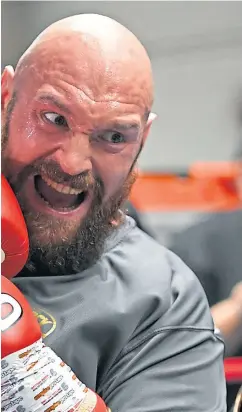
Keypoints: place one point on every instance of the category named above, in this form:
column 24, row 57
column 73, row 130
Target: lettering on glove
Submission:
column 33, row 377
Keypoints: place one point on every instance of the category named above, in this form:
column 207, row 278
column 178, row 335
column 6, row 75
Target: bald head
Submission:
column 111, row 52
column 107, row 32
column 76, row 115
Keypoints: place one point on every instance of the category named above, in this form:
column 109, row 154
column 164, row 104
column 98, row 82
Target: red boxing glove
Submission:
column 19, row 327
column 14, row 240
column 33, row 377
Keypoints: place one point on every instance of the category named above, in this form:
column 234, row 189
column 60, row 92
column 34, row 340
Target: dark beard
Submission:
column 72, row 253
column 77, row 254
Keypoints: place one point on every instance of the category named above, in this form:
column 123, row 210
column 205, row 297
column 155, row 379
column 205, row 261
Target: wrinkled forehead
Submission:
column 89, row 69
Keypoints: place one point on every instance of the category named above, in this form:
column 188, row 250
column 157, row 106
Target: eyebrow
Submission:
column 116, row 125
column 125, row 126
column 52, row 99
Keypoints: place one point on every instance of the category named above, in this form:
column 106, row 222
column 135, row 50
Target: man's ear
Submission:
column 151, row 118
column 6, row 87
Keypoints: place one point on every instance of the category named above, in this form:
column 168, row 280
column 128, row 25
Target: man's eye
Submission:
column 55, row 118
column 113, row 137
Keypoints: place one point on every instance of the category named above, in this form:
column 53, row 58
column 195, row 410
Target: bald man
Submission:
column 127, row 315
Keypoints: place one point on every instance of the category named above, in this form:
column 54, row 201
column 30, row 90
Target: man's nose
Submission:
column 74, row 156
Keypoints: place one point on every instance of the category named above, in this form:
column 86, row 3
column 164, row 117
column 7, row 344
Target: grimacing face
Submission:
column 71, row 162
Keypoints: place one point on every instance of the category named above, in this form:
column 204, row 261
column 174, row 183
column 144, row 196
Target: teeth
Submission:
column 61, row 188
column 61, row 209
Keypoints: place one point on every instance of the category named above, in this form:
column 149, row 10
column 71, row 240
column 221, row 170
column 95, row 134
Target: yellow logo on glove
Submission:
column 46, row 321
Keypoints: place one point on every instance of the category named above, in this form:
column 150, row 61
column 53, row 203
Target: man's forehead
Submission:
column 99, row 75
column 122, row 116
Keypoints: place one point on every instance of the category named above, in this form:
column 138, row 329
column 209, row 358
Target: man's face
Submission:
column 69, row 153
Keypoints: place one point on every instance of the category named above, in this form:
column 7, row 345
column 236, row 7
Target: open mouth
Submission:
column 57, row 196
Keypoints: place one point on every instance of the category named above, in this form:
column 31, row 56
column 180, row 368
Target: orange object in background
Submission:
column 217, row 170
column 205, row 187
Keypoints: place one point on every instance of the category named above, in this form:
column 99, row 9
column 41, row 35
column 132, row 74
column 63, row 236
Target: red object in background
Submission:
column 203, row 187
column 233, row 370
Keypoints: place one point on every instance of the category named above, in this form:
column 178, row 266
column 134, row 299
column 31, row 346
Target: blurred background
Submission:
column 195, row 48
column 189, row 194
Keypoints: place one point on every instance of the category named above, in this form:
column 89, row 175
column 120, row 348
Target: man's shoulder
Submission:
column 137, row 255
column 158, row 282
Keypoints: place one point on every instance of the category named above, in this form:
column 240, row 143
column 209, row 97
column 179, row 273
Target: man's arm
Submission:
column 175, row 365
column 156, row 377
column 193, row 247
column 227, row 316
column 33, row 377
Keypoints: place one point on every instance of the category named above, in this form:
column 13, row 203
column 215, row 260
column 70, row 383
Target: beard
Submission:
column 58, row 246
